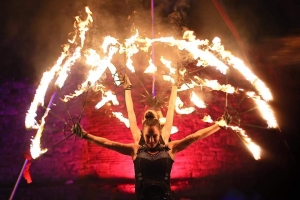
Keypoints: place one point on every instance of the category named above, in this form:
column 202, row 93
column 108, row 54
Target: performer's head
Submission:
column 151, row 131
column 150, row 114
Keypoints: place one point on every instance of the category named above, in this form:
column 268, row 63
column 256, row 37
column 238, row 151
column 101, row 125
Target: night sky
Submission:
column 32, row 33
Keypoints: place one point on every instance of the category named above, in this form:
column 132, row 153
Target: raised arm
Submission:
column 166, row 130
column 179, row 145
column 135, row 131
column 126, row 149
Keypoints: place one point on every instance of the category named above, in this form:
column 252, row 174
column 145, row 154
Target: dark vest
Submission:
column 152, row 174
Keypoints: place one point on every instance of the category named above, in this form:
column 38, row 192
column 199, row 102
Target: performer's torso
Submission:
column 153, row 170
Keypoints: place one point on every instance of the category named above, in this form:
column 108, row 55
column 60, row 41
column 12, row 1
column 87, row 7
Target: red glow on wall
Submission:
column 210, row 156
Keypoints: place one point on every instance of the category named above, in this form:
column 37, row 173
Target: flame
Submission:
column 81, row 26
column 63, row 74
column 213, row 84
column 179, row 107
column 187, row 86
column 39, row 96
column 168, row 64
column 168, row 78
column 131, row 49
column 192, row 47
column 35, row 147
column 98, row 68
column 62, row 67
column 197, row 101
column 151, row 69
column 119, row 115
column 243, row 69
column 107, row 96
column 207, row 118
column 174, row 129
column 265, row 110
column 204, row 53
column 254, row 148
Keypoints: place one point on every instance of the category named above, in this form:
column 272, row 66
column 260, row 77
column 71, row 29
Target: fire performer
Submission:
column 152, row 113
column 152, row 161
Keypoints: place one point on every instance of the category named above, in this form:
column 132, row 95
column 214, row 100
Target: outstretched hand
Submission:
column 225, row 120
column 125, row 81
column 179, row 77
column 77, row 130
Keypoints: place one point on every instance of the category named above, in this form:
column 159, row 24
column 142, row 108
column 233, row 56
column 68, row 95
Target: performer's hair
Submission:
column 149, row 115
column 151, row 121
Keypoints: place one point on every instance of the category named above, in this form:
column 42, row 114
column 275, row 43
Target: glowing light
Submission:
column 35, row 147
column 174, row 129
column 63, row 74
column 265, row 110
column 179, row 107
column 107, row 96
column 81, row 26
column 243, row 69
column 168, row 64
column 204, row 53
column 39, row 96
column 207, row 118
column 151, row 69
column 119, row 115
column 197, row 101
column 253, row 148
column 131, row 49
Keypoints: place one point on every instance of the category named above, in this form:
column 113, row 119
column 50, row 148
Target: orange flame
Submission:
column 151, row 69
column 179, row 107
column 81, row 26
column 197, row 101
column 35, row 149
column 131, row 49
column 203, row 52
column 39, row 96
column 168, row 64
column 119, row 115
column 107, row 96
column 243, row 69
column 253, row 148
column 207, row 118
column 265, row 110
column 63, row 74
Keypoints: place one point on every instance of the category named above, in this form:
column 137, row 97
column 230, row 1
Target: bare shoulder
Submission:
column 135, row 148
column 170, row 145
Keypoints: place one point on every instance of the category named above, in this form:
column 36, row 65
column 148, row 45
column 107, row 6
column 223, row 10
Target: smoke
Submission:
column 120, row 18
column 35, row 31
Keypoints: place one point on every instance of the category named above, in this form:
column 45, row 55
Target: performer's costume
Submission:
column 152, row 173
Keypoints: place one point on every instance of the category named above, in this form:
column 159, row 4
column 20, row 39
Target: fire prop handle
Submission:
column 18, row 180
